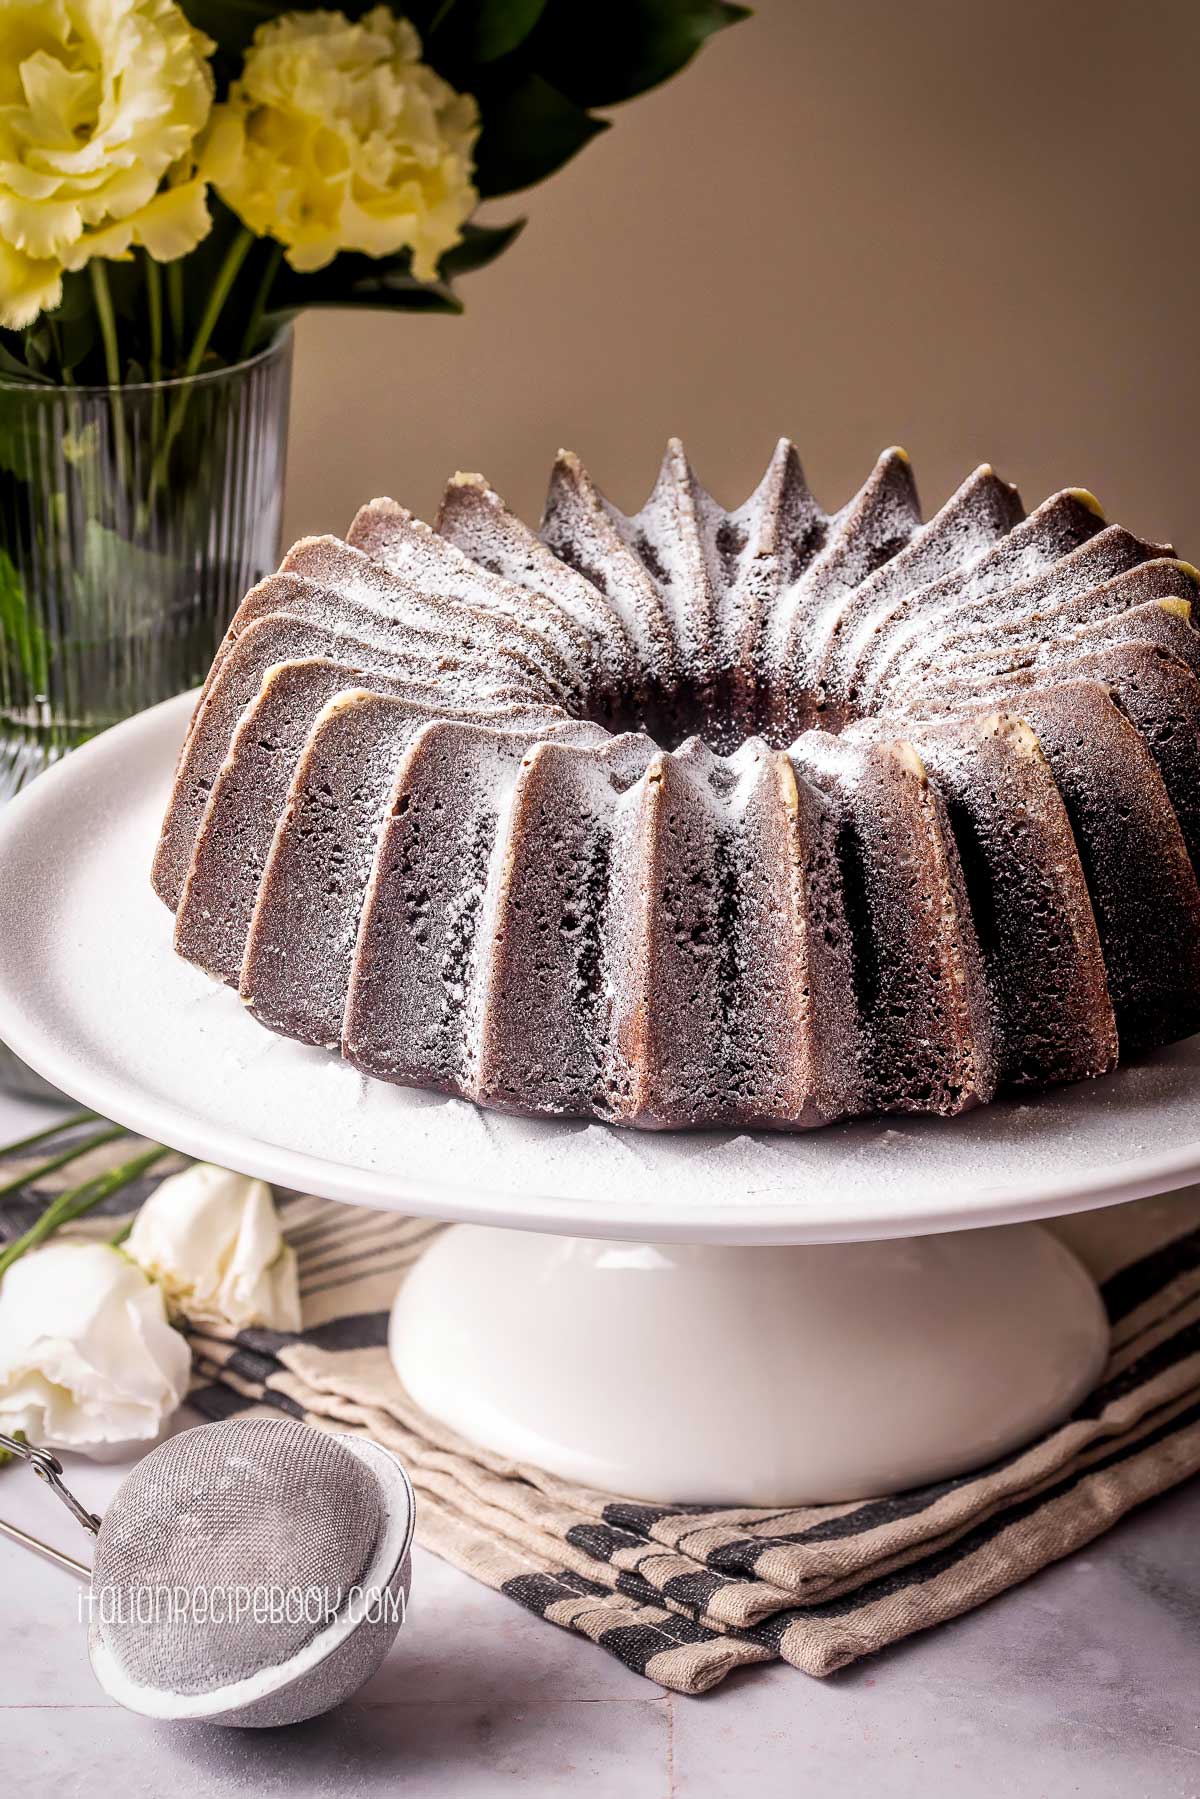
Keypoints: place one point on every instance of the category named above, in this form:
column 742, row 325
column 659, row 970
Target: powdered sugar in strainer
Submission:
column 249, row 1572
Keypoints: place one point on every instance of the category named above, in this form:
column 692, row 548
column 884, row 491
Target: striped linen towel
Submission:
column 682, row 1594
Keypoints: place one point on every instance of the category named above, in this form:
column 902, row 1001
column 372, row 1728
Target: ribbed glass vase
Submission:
column 132, row 521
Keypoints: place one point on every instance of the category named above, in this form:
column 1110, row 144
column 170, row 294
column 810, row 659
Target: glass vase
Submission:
column 132, row 521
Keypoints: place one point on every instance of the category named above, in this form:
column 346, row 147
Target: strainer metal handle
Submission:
column 49, row 1469
column 39, row 1548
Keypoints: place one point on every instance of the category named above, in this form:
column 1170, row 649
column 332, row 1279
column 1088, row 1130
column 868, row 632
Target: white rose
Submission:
column 88, row 1360
column 212, row 1241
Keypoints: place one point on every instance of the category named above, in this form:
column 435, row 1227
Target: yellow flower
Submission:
column 28, row 285
column 350, row 142
column 100, row 101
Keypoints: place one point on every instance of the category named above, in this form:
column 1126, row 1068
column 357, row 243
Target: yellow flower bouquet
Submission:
column 255, row 159
column 178, row 180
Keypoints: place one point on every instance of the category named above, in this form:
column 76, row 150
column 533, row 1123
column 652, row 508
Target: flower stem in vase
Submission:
column 226, row 276
column 175, row 307
column 254, row 322
column 112, row 363
column 154, row 309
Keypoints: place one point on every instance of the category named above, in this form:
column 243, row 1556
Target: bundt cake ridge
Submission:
column 753, row 818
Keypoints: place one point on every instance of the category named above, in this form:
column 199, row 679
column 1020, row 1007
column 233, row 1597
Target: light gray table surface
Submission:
column 1086, row 1681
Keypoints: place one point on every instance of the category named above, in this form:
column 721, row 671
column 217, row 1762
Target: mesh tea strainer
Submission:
column 249, row 1572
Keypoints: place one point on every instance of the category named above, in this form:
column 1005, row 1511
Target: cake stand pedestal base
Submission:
column 749, row 1376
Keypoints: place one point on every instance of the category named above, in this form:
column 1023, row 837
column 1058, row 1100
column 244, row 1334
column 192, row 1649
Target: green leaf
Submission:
column 480, row 245
column 529, row 130
column 39, row 347
column 75, row 329
column 381, row 295
column 481, row 31
column 599, row 52
column 232, row 23
column 386, row 283
column 108, row 564
column 352, row 280
column 21, row 637
column 21, row 409
column 14, row 368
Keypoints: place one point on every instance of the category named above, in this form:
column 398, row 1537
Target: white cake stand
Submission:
column 711, row 1316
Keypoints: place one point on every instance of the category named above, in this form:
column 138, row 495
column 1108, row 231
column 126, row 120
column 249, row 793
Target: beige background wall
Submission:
column 967, row 228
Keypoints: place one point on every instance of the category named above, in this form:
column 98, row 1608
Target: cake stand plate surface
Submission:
column 92, row 995
column 635, row 1332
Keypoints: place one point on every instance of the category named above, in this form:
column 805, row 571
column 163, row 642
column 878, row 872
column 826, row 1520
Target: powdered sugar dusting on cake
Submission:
column 753, row 818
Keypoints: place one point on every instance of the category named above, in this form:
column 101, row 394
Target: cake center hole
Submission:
column 725, row 713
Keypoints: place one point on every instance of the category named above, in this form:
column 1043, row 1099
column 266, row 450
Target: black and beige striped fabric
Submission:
column 684, row 1595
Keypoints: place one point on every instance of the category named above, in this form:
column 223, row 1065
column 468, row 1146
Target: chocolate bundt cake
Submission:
column 758, row 818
